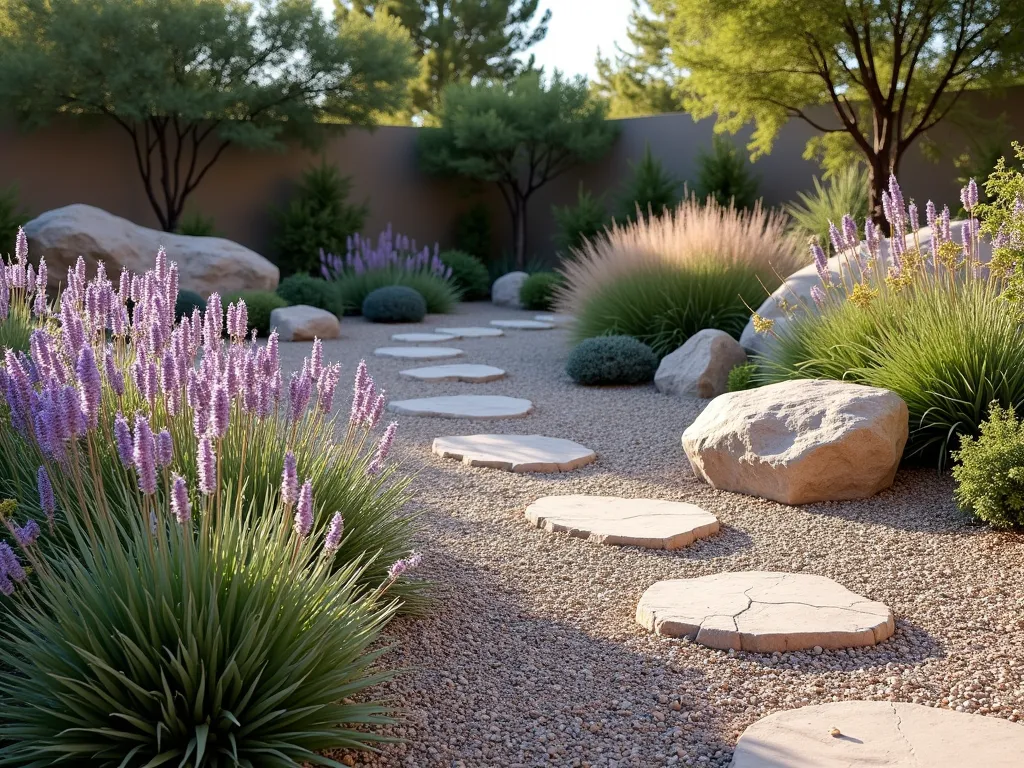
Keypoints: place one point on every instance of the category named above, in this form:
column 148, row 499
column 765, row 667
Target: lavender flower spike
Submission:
column 144, row 455
column 304, row 510
column 383, row 449
column 46, row 500
column 90, row 386
column 164, row 449
column 407, row 564
column 123, row 440
column 821, row 264
column 9, row 562
column 289, row 481
column 180, row 505
column 207, row 467
column 26, row 536
column 818, row 295
column 334, row 533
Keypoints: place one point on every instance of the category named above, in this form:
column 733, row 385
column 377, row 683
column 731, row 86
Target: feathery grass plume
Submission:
column 932, row 326
column 662, row 279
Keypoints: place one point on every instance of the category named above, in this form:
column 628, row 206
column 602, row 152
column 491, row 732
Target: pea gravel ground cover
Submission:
column 530, row 654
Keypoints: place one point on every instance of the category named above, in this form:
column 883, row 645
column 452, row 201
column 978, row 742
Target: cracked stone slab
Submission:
column 515, row 453
column 472, row 332
column 475, row 374
column 477, row 407
column 879, row 733
column 649, row 523
column 764, row 612
column 418, row 353
column 523, row 325
column 423, row 338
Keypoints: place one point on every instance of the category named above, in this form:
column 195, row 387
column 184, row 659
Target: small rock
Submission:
column 700, row 368
column 304, row 323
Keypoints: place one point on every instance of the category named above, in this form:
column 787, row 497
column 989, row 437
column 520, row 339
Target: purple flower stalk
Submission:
column 376, row 410
column 207, row 466
column 304, row 510
column 90, row 386
column 821, row 264
column 46, row 500
column 123, row 440
column 144, row 455
column 180, row 505
column 383, row 449
column 220, row 411
column 838, row 244
column 26, row 536
column 818, row 295
column 334, row 533
column 359, row 392
column 316, row 359
column 289, row 481
column 969, row 195
column 407, row 564
column 9, row 562
column 850, row 231
column 164, row 449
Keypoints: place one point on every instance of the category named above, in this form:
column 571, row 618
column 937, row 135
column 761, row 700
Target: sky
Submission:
column 577, row 29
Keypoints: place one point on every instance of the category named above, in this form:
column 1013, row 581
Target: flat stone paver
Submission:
column 523, row 325
column 866, row 734
column 476, row 374
column 515, row 453
column 555, row 319
column 650, row 523
column 472, row 332
column 764, row 612
column 423, row 338
column 477, row 407
column 418, row 353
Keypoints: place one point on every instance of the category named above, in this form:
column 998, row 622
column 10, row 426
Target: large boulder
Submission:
column 505, row 291
column 205, row 264
column 304, row 323
column 700, row 368
column 796, row 289
column 800, row 441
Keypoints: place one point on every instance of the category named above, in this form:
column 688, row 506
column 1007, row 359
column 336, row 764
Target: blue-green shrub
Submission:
column 316, row 292
column 611, row 360
column 394, row 304
column 259, row 305
column 187, row 302
column 468, row 274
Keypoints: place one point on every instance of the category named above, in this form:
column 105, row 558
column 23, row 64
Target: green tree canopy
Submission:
column 460, row 41
column 519, row 135
column 889, row 70
column 185, row 79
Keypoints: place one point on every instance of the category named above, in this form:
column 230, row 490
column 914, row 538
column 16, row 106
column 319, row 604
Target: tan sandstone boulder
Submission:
column 205, row 264
column 700, row 368
column 302, row 322
column 800, row 441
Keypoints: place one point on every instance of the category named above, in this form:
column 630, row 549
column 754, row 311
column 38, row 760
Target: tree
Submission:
column 652, row 189
column 889, row 69
column 519, row 135
column 641, row 81
column 186, row 79
column 460, row 41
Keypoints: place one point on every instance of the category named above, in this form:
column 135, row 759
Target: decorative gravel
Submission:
column 530, row 654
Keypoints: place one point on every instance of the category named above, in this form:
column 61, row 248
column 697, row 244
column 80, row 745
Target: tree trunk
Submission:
column 519, row 223
column 879, row 168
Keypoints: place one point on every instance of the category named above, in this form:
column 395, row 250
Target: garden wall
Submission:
column 90, row 161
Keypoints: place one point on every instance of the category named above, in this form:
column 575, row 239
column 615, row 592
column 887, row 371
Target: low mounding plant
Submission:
column 611, row 360
column 393, row 260
column 187, row 303
column 724, row 175
column 259, row 305
column 662, row 279
column 932, row 325
column 468, row 274
column 394, row 304
column 990, row 470
column 318, row 218
column 845, row 194
column 743, row 376
column 316, row 292
column 537, row 292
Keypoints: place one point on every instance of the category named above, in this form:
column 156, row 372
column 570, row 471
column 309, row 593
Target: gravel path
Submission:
column 530, row 654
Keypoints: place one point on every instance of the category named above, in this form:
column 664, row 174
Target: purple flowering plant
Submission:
column 22, row 296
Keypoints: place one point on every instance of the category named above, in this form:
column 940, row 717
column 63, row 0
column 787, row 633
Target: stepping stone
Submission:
column 417, row 353
column 879, row 733
column 555, row 319
column 764, row 612
column 515, row 453
column 476, row 374
column 523, row 325
column 472, row 332
column 649, row 523
column 422, row 338
column 477, row 407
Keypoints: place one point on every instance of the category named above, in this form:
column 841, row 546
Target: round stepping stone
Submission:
column 522, row 325
column 472, row 332
column 417, row 353
column 476, row 374
column 477, row 407
column 515, row 453
column 879, row 733
column 422, row 338
column 764, row 612
column 649, row 523
column 555, row 319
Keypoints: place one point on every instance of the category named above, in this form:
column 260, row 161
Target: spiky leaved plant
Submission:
column 185, row 379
